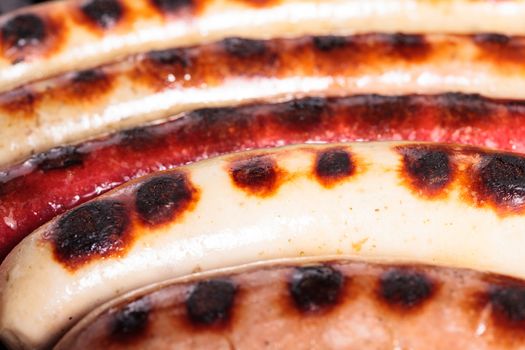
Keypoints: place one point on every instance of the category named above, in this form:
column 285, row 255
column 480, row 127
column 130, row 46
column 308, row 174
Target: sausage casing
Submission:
column 422, row 203
column 49, row 39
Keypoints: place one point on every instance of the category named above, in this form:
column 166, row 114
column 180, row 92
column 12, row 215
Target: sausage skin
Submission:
column 314, row 305
column 45, row 40
column 152, row 86
column 50, row 183
column 424, row 203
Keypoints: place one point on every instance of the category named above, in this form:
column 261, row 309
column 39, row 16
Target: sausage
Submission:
column 423, row 203
column 49, row 183
column 155, row 85
column 49, row 39
column 314, row 305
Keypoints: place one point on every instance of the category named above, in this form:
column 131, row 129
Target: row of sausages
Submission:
column 192, row 174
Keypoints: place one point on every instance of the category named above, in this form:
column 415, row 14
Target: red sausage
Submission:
column 50, row 183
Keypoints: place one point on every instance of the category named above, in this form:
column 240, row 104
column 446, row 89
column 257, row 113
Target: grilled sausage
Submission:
column 45, row 40
column 46, row 185
column 151, row 86
column 421, row 203
column 319, row 305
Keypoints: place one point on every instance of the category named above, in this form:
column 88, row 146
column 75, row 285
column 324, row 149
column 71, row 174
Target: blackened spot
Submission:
column 139, row 138
column 501, row 180
column 87, row 85
column 500, row 48
column 303, row 115
column 23, row 30
column 333, row 165
column 210, row 302
column 465, row 107
column 131, row 320
column 407, row 40
column 329, row 43
column 408, row 46
column 106, row 13
column 508, row 303
column 491, row 39
column 172, row 5
column 97, row 229
column 162, row 198
column 88, row 76
column 59, row 158
column 429, row 169
column 406, row 289
column 257, row 175
column 379, row 109
column 315, row 287
column 244, row 48
column 20, row 102
column 213, row 116
column 170, row 57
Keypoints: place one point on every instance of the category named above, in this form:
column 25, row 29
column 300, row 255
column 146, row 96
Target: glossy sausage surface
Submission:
column 454, row 206
column 48, row 184
column 318, row 305
column 155, row 85
column 45, row 40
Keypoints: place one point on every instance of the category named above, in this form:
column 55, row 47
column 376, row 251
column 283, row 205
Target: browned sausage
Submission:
column 319, row 305
column 61, row 36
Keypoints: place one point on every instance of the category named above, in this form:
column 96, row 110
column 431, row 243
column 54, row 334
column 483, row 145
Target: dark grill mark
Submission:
column 491, row 39
column 304, row 115
column 408, row 46
column 508, row 302
column 167, row 68
column 170, row 57
column 163, row 198
column 329, row 43
column 131, row 320
column 315, row 287
column 508, row 305
column 86, row 86
column 256, row 175
column 21, row 102
column 97, row 229
column 23, row 30
column 244, row 48
column 105, row 13
column 500, row 180
column 466, row 107
column 140, row 139
column 60, row 158
column 428, row 169
column 384, row 110
column 500, row 48
column 88, row 76
column 210, row 302
column 333, row 165
column 405, row 289
column 172, row 5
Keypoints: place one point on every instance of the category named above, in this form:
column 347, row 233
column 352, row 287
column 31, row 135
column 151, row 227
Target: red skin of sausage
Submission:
column 46, row 185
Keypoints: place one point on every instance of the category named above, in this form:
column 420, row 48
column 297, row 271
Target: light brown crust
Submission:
column 80, row 34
